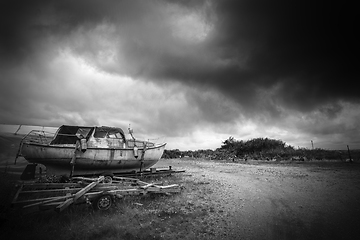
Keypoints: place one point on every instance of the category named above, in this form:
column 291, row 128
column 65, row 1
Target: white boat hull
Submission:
column 57, row 158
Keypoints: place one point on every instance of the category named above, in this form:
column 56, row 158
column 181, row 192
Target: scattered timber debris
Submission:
column 59, row 196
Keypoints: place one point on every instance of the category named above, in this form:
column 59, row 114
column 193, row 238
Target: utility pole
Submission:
column 349, row 154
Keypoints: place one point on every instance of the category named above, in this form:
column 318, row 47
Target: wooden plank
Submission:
column 92, row 194
column 87, row 188
column 132, row 180
column 66, row 190
column 47, row 201
column 143, row 183
column 85, row 179
column 126, row 179
column 133, row 190
column 104, row 187
column 148, row 185
column 169, row 186
column 39, row 186
column 17, row 194
column 64, row 205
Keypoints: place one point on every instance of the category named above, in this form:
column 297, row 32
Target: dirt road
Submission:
column 277, row 201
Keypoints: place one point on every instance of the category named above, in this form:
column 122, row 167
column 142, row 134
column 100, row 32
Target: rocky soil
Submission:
column 252, row 200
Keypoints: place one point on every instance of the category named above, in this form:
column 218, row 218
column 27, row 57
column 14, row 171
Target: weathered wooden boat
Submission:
column 78, row 150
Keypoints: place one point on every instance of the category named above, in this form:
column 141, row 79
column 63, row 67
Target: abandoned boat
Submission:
column 77, row 150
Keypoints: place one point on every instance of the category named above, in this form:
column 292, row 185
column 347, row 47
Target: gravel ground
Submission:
column 260, row 200
column 249, row 200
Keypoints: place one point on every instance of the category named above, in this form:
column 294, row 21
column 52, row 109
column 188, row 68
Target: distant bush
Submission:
column 257, row 147
column 176, row 153
column 262, row 149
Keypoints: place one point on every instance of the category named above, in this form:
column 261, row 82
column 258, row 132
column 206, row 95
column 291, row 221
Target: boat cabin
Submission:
column 97, row 137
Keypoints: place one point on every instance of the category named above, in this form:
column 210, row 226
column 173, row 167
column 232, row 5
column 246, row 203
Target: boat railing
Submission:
column 38, row 136
column 35, row 136
column 148, row 143
column 157, row 141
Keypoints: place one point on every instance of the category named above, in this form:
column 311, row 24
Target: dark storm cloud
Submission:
column 23, row 23
column 308, row 47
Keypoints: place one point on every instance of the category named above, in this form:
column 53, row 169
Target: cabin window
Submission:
column 114, row 135
column 100, row 133
column 70, row 134
column 82, row 132
column 109, row 133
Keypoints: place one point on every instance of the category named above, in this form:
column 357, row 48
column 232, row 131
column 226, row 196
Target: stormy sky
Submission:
column 190, row 72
